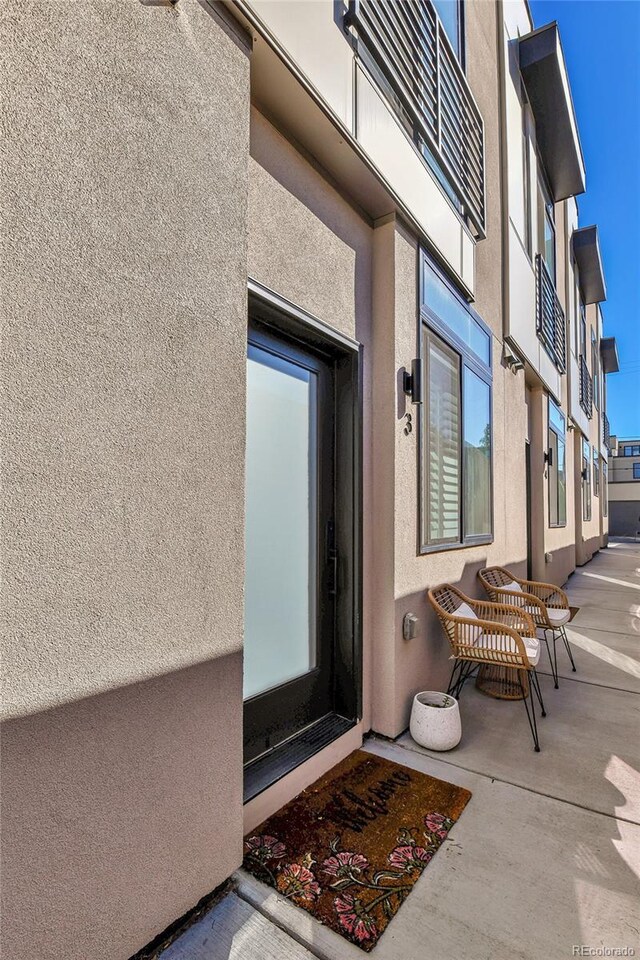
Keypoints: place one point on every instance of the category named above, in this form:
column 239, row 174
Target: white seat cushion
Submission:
column 556, row 616
column 472, row 633
column 497, row 641
column 513, row 586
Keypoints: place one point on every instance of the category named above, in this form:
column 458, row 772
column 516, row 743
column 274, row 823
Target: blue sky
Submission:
column 601, row 42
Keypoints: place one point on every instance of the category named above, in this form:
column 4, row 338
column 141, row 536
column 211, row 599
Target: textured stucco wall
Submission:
column 124, row 221
column 305, row 241
column 309, row 245
column 405, row 667
column 559, row 541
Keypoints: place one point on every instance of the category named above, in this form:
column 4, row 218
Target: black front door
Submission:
column 291, row 557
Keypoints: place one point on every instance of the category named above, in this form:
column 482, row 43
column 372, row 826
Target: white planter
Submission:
column 435, row 727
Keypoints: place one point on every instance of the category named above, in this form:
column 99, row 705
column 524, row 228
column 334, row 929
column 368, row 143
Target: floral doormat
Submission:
column 350, row 847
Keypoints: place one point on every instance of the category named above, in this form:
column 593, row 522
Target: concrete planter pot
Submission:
column 435, row 720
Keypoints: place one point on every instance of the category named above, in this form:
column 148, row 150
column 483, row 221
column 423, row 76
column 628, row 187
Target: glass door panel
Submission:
column 290, row 551
column 281, row 521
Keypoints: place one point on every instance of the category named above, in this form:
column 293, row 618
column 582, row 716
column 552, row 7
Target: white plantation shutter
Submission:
column 443, row 442
column 456, row 465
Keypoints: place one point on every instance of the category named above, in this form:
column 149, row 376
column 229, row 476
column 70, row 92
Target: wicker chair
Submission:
column 546, row 603
column 485, row 635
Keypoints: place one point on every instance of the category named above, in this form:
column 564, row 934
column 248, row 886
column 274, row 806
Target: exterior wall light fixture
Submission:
column 412, row 382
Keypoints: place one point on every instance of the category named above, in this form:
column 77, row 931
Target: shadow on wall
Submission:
column 423, row 662
column 120, row 812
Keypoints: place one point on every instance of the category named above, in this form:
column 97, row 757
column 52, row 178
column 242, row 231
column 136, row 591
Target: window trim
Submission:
column 560, row 439
column 595, row 372
column 585, row 461
column 461, row 56
column 427, row 318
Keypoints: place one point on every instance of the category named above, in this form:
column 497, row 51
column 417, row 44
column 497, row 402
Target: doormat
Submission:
column 350, row 847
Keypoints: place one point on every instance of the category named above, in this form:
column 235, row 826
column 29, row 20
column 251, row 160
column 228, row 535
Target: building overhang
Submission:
column 586, row 251
column 609, row 354
column 545, row 77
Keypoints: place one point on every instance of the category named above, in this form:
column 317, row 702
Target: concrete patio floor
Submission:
column 546, row 856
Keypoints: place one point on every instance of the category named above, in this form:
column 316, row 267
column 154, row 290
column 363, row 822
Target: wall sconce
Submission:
column 548, row 457
column 412, row 382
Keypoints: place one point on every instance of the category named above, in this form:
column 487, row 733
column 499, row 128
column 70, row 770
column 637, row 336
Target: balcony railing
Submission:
column 550, row 323
column 606, row 432
column 586, row 388
column 411, row 48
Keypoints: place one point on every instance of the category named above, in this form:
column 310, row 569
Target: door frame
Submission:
column 279, row 316
column 527, row 462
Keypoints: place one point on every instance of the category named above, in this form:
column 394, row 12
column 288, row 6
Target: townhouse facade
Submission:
column 624, row 487
column 303, row 323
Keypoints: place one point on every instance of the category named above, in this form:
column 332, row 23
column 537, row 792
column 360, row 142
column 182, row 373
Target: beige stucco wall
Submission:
column 305, row 240
column 624, row 491
column 308, row 244
column 557, row 541
column 422, row 663
column 124, row 220
column 403, row 667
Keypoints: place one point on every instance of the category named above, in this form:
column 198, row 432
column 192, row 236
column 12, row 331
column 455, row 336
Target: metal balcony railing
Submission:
column 550, row 323
column 606, row 432
column 586, row 388
column 411, row 48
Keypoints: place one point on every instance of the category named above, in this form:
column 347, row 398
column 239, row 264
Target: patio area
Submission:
column 546, row 857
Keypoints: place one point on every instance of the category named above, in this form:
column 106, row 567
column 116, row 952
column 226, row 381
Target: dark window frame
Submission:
column 586, row 481
column 429, row 320
column 636, row 472
column 462, row 47
column 560, row 439
column 595, row 370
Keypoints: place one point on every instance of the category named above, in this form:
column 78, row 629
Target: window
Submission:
column 450, row 13
column 631, row 451
column 605, row 488
column 549, row 243
column 636, row 471
column 596, row 473
column 583, row 331
column 556, row 469
column 586, row 481
column 549, row 231
column 414, row 53
column 526, row 181
column 595, row 372
column 456, row 506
